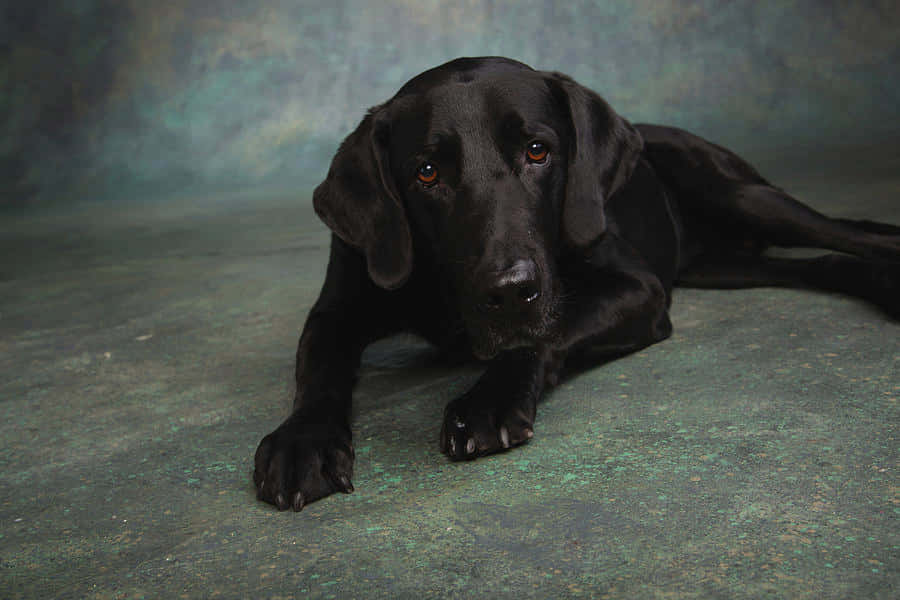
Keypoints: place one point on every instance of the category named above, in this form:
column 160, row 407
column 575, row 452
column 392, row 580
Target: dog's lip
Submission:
column 485, row 354
column 485, row 346
column 489, row 337
column 488, row 342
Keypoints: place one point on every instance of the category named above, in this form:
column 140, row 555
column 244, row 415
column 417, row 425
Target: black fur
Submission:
column 529, row 262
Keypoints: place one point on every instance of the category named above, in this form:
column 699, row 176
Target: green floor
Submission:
column 145, row 350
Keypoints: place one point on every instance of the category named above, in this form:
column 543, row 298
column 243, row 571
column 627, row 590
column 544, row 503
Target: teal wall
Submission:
column 117, row 100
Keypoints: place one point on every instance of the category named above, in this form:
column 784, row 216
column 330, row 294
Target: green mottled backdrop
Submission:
column 131, row 99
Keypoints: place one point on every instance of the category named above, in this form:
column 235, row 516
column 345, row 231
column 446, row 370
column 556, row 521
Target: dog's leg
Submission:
column 727, row 200
column 499, row 411
column 780, row 219
column 873, row 280
column 311, row 454
column 608, row 313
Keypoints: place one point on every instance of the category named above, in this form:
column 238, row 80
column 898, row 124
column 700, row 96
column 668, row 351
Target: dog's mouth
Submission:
column 488, row 338
column 487, row 346
column 511, row 308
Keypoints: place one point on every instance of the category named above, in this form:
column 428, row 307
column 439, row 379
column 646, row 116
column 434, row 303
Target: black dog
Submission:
column 513, row 214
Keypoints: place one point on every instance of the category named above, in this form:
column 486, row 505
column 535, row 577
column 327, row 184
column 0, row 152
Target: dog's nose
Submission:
column 512, row 288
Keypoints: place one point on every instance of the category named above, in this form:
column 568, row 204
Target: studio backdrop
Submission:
column 117, row 100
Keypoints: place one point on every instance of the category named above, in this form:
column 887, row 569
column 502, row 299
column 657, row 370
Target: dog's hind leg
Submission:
column 777, row 218
column 727, row 204
column 877, row 281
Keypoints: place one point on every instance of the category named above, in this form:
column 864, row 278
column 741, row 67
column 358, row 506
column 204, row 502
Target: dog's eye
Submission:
column 427, row 173
column 537, row 152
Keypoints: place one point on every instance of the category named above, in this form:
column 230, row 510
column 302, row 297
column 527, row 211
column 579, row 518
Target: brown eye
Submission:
column 427, row 173
column 537, row 152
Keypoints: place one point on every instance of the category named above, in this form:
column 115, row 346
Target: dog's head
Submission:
column 487, row 170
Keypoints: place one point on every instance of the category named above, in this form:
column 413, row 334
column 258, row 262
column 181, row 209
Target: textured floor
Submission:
column 144, row 352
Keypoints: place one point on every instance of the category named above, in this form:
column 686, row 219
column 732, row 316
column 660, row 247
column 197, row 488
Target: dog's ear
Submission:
column 359, row 202
column 603, row 151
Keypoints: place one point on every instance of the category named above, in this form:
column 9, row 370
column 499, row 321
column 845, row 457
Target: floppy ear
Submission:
column 359, row 202
column 603, row 152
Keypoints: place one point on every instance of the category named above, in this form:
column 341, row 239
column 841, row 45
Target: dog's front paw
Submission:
column 475, row 426
column 299, row 463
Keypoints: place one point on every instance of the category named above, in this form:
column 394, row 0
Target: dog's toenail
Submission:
column 504, row 437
